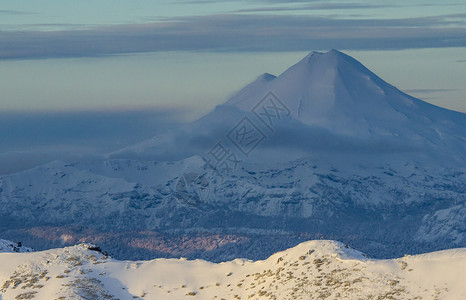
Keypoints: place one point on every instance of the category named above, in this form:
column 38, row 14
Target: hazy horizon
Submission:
column 89, row 77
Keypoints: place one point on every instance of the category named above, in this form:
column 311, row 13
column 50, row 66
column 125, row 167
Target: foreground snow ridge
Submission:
column 311, row 270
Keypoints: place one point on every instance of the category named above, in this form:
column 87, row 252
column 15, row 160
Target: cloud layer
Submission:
column 31, row 139
column 239, row 32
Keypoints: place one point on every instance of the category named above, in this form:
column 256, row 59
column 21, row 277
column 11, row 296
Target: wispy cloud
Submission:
column 429, row 91
column 239, row 32
column 288, row 1
column 316, row 6
column 14, row 12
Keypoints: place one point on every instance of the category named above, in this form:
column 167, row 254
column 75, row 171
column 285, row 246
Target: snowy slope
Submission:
column 311, row 270
column 9, row 246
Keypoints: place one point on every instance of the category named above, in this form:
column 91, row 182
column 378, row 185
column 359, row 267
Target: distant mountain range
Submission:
column 325, row 150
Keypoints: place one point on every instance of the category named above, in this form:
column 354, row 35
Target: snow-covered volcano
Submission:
column 337, row 92
column 326, row 149
column 334, row 103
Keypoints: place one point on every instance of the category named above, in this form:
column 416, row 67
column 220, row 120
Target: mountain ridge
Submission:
column 324, row 269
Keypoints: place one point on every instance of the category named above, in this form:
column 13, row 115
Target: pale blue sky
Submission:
column 60, row 55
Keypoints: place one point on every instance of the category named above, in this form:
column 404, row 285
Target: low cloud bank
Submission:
column 31, row 139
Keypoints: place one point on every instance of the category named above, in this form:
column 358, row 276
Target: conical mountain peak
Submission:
column 319, row 88
column 335, row 91
column 329, row 55
column 319, row 62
